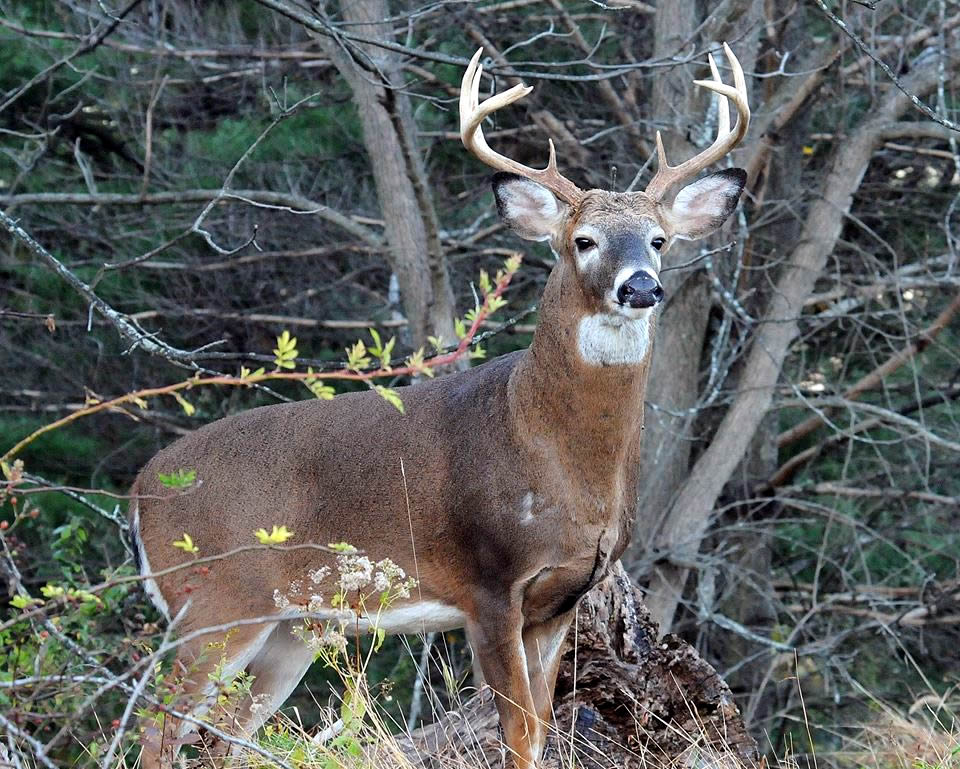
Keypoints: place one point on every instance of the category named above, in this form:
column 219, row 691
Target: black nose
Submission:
column 640, row 290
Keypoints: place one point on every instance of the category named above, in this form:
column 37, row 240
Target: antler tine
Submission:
column 726, row 140
column 472, row 115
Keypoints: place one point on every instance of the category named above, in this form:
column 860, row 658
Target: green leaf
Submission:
column 387, row 350
column 485, row 286
column 25, row 601
column 377, row 347
column 246, row 373
column 495, row 303
column 437, row 342
column 458, row 328
column 357, row 358
column 318, row 388
column 186, row 405
column 390, row 396
column 478, row 353
column 178, row 479
column 285, row 353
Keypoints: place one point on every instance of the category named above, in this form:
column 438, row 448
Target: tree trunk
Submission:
column 673, row 391
column 623, row 699
column 690, row 513
column 389, row 134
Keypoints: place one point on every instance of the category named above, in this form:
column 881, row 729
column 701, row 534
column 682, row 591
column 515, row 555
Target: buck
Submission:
column 506, row 490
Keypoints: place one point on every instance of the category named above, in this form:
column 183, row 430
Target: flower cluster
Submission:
column 296, row 595
column 318, row 637
column 356, row 572
column 358, row 579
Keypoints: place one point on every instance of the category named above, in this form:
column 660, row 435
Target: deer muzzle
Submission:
column 640, row 290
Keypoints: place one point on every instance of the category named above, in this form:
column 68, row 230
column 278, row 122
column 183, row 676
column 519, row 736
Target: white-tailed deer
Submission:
column 506, row 490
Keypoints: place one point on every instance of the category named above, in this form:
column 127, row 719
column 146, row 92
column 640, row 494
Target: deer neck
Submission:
column 588, row 415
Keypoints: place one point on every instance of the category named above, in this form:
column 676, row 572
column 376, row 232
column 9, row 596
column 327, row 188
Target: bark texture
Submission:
column 670, row 437
column 389, row 134
column 690, row 514
column 623, row 699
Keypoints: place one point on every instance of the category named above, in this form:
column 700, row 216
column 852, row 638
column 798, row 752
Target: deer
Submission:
column 506, row 490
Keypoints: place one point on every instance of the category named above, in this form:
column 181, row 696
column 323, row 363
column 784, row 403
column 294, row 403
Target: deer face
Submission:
column 608, row 242
column 614, row 241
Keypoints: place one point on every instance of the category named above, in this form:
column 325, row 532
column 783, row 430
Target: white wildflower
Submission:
column 402, row 589
column 318, row 575
column 356, row 572
column 281, row 601
column 296, row 587
column 388, row 574
column 259, row 702
column 316, row 602
column 334, row 638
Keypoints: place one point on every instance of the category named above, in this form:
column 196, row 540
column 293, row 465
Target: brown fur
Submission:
column 474, row 446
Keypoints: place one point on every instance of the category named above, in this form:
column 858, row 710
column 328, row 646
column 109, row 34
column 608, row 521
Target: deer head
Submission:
column 611, row 242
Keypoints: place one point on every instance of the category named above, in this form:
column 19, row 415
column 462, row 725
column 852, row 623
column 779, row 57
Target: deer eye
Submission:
column 583, row 244
column 657, row 243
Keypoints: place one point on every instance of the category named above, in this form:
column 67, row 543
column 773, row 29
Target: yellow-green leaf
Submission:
column 277, row 536
column 285, row 352
column 318, row 388
column 25, row 601
column 186, row 544
column 188, row 408
column 390, row 396
column 485, row 286
column 357, row 356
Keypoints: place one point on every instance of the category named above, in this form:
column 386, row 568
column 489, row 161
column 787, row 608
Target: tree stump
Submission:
column 624, row 699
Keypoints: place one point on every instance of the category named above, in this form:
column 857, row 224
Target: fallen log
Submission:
column 624, row 699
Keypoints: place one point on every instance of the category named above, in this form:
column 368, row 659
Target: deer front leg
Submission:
column 496, row 634
column 543, row 644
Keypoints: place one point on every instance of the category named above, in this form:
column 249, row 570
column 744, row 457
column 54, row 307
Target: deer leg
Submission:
column 277, row 668
column 543, row 644
column 194, row 692
column 497, row 639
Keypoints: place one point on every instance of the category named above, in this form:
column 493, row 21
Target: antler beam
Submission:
column 726, row 140
column 472, row 115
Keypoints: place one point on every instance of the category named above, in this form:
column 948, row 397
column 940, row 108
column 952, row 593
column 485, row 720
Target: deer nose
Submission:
column 640, row 290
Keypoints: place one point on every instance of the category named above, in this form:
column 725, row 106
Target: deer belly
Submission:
column 420, row 617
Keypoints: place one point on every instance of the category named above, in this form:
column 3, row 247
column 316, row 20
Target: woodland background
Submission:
column 202, row 175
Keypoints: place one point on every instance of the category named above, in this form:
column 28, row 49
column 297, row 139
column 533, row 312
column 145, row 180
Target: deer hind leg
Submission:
column 497, row 640
column 199, row 665
column 543, row 644
column 277, row 668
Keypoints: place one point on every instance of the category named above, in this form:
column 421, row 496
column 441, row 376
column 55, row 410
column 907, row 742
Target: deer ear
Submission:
column 700, row 208
column 527, row 208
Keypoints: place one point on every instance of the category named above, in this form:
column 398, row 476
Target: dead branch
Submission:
column 688, row 517
column 876, row 377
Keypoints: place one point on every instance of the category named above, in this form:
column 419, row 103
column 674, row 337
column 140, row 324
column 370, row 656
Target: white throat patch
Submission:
column 614, row 340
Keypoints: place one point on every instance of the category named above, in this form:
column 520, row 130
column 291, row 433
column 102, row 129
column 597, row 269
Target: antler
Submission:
column 726, row 140
column 472, row 115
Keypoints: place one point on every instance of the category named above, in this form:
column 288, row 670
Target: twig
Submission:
column 914, row 99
